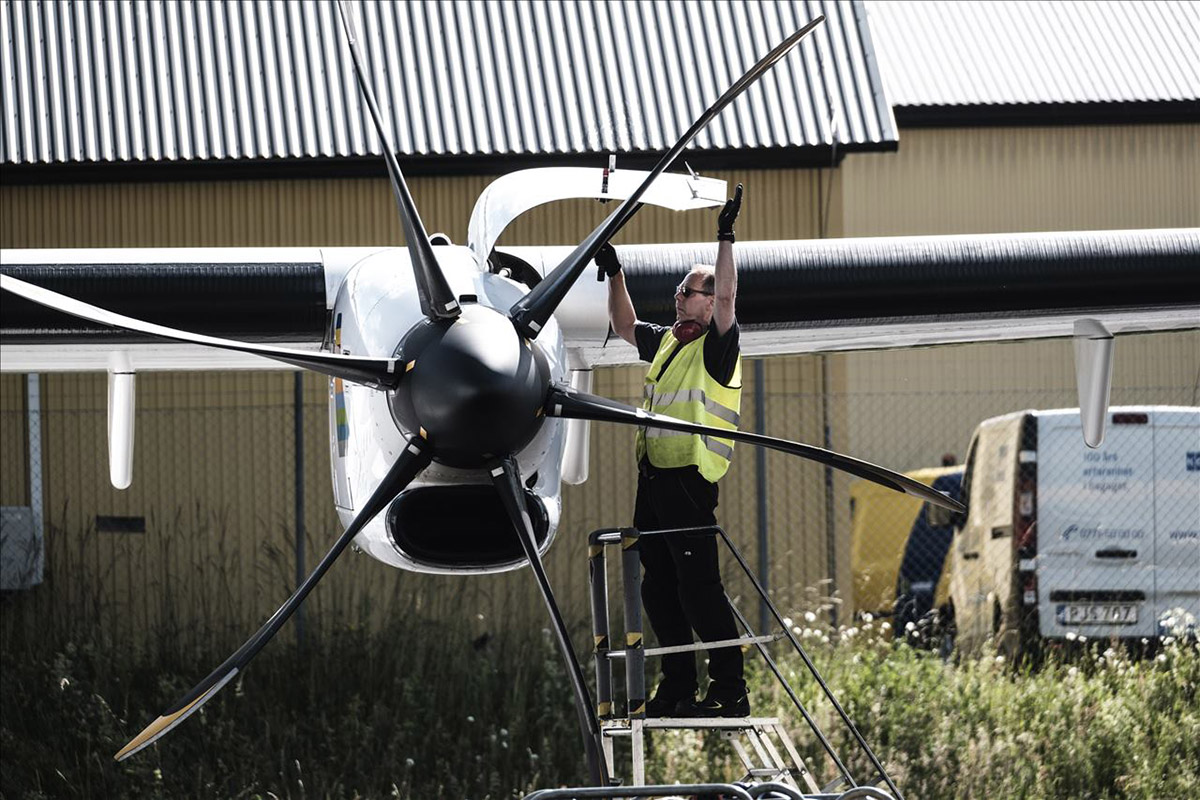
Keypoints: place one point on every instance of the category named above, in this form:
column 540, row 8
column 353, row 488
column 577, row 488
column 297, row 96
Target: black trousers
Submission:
column 681, row 587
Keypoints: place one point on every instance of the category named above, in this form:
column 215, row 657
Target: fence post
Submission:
column 298, row 477
column 760, row 488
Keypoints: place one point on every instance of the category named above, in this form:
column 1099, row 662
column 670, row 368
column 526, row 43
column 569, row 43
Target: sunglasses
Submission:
column 688, row 291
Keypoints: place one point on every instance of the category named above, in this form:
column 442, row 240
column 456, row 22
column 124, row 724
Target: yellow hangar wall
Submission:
column 213, row 466
column 987, row 180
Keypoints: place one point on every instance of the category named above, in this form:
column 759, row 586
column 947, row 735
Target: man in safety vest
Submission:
column 695, row 374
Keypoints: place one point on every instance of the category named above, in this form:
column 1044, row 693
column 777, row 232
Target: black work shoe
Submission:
column 720, row 703
column 667, row 702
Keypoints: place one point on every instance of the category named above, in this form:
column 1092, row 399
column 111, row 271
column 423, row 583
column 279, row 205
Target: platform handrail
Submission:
column 702, row 645
column 812, row 668
column 662, row 790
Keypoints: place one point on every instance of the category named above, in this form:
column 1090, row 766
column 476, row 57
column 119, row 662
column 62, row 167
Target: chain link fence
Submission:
column 1060, row 542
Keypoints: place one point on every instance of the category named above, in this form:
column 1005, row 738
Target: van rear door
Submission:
column 1177, row 511
column 1096, row 558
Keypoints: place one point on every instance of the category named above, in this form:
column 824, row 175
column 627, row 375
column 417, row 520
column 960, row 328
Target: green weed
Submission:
column 414, row 711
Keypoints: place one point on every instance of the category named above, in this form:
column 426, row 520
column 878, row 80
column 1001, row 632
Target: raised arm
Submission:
column 725, row 272
column 621, row 314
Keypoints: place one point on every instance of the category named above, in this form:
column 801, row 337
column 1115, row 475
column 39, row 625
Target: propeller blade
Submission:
column 437, row 300
column 414, row 458
column 506, row 476
column 531, row 312
column 571, row 404
column 378, row 372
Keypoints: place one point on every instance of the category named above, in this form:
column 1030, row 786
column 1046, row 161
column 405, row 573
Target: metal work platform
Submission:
column 773, row 766
column 763, row 760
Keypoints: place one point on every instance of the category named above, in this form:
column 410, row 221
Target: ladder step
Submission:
column 621, row 726
column 685, row 648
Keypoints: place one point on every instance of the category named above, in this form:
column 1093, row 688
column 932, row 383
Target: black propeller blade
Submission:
column 531, row 312
column 506, row 476
column 571, row 404
column 414, row 458
column 437, row 300
column 378, row 372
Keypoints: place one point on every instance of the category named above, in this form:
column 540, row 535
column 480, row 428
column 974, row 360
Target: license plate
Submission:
column 1096, row 614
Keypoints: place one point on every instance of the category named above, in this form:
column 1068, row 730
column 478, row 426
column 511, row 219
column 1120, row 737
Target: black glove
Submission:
column 728, row 215
column 606, row 261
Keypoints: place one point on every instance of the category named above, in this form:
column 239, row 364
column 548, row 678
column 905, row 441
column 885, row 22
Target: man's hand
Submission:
column 728, row 214
column 606, row 261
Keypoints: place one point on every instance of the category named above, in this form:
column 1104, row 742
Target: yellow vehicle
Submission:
column 888, row 529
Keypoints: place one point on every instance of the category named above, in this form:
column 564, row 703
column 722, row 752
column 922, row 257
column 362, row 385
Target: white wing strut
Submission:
column 1093, row 377
column 121, row 394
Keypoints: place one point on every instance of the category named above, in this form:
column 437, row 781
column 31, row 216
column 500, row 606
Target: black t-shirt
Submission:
column 720, row 352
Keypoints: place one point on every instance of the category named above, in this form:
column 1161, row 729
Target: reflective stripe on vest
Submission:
column 663, row 399
column 686, row 391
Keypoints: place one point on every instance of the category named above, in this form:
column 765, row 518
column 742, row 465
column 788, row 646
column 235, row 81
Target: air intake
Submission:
column 476, row 534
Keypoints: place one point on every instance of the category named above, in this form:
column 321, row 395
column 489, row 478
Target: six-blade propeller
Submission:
column 477, row 364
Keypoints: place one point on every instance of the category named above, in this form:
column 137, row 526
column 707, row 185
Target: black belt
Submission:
column 648, row 470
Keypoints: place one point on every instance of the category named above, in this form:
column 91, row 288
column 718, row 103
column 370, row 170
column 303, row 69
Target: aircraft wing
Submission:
column 793, row 296
column 265, row 295
column 878, row 293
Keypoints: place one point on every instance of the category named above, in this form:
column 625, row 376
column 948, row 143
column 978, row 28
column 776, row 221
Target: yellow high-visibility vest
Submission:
column 686, row 391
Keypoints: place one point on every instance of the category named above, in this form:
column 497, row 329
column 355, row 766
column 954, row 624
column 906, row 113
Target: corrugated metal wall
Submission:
column 14, row 452
column 162, row 80
column 263, row 213
column 995, row 180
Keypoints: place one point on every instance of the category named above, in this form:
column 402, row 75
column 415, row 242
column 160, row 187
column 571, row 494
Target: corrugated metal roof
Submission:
column 1021, row 52
column 169, row 80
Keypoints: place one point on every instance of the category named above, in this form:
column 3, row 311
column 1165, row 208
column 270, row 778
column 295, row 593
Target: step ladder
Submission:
column 762, row 744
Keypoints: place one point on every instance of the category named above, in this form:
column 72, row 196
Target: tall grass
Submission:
column 408, row 712
column 409, row 707
column 1091, row 723
column 418, row 711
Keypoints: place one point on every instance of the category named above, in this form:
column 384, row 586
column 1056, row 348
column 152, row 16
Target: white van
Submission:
column 1061, row 541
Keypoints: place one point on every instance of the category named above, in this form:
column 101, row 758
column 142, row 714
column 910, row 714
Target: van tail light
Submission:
column 1025, row 514
column 1029, row 588
column 1025, row 497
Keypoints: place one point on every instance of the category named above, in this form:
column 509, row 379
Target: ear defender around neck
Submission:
column 687, row 330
